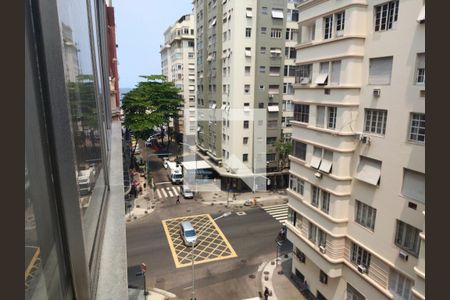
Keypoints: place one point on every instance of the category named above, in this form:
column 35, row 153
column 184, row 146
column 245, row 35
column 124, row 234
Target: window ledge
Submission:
column 322, row 87
column 330, row 40
column 113, row 278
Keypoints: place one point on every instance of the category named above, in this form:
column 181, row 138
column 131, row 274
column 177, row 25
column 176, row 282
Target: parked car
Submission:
column 188, row 234
column 186, row 192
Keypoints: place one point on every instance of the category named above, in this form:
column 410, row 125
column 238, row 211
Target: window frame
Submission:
column 360, row 256
column 414, row 136
column 372, row 122
column 387, row 11
column 365, row 215
column 403, row 231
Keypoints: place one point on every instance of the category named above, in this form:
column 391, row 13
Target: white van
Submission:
column 174, row 172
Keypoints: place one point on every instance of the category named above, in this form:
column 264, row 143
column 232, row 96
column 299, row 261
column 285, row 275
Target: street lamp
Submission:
column 226, row 214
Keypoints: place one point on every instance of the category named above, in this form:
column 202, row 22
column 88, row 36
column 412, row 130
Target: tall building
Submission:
column 178, row 65
column 112, row 58
column 240, row 74
column 74, row 188
column 357, row 173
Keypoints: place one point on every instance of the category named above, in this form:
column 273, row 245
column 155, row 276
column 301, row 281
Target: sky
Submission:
column 140, row 25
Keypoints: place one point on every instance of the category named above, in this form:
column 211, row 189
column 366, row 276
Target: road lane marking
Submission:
column 170, row 194
column 175, row 191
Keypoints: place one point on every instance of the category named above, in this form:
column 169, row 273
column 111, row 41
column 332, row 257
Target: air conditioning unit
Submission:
column 304, row 80
column 362, row 269
column 323, row 250
column 318, row 174
column 365, row 139
column 403, row 255
column 376, row 92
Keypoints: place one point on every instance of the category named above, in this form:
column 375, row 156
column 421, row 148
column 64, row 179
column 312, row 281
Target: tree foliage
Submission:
column 152, row 103
column 283, row 148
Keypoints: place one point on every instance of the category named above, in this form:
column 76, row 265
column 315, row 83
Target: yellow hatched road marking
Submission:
column 172, row 249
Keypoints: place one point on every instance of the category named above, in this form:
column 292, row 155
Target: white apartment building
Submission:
column 178, row 65
column 240, row 64
column 357, row 172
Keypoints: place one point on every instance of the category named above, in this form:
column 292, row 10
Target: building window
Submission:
column 407, row 238
column 274, row 71
column 360, row 256
column 299, row 150
column 323, row 277
column 325, row 206
column 248, row 13
column 420, row 68
column 262, row 50
column 245, row 140
column 264, row 10
column 375, row 121
column 276, row 33
column 246, row 124
column 417, row 127
column 300, row 255
column 380, row 70
column 289, row 70
column 365, row 215
column 413, row 185
column 270, row 156
column 245, row 157
column 315, row 197
column 296, row 184
column 328, row 30
column 353, row 294
column 331, row 116
column 247, row 70
column 263, row 30
column 248, row 32
column 400, row 285
column 272, row 123
column 277, row 13
column 301, row 113
column 340, row 23
column 369, row 170
column 303, row 74
column 288, row 89
column 335, row 72
column 247, row 88
column 292, row 15
column 290, row 53
column 322, row 159
column 312, row 232
column 262, row 69
column 291, row 34
column 386, row 15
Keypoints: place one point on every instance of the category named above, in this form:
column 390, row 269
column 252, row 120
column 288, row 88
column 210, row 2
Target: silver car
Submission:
column 186, row 192
column 188, row 234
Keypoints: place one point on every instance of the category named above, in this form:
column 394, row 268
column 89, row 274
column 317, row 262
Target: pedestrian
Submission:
column 178, row 199
column 266, row 293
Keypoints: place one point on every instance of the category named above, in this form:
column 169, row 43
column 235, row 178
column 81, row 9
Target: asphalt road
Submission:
column 252, row 236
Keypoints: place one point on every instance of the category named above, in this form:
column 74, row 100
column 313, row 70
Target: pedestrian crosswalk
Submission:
column 167, row 192
column 279, row 212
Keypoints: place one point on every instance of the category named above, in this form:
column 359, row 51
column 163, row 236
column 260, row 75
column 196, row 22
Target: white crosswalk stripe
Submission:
column 279, row 212
column 159, row 195
column 170, row 193
column 164, row 193
column 175, row 190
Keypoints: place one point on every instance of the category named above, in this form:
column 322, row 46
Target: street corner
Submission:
column 212, row 245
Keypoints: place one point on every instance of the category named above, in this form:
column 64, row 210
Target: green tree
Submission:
column 152, row 103
column 283, row 148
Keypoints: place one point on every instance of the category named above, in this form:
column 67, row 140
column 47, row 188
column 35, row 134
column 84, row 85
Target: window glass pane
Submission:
column 81, row 78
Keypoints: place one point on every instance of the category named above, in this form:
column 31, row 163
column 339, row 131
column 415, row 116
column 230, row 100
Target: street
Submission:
column 252, row 236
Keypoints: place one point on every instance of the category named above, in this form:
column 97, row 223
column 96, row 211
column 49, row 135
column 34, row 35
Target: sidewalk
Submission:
column 262, row 198
column 142, row 205
column 275, row 276
column 154, row 294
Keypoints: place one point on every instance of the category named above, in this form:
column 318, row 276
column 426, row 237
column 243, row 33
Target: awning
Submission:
column 273, row 108
column 248, row 53
column 369, row 171
column 213, row 23
column 277, row 14
column 193, row 165
column 317, row 158
column 249, row 14
column 421, row 17
column 210, row 58
column 213, row 106
column 327, row 161
column 275, row 51
column 305, row 80
column 224, row 54
column 322, row 78
column 246, row 108
column 192, row 88
column 192, row 77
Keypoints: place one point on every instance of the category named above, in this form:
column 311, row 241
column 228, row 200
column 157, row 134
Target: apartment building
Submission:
column 357, row 172
column 178, row 65
column 240, row 75
column 74, row 188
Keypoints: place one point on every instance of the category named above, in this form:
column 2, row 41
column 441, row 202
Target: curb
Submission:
column 164, row 293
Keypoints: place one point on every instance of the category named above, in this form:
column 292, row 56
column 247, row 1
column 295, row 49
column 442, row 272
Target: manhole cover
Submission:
column 252, row 276
column 241, row 213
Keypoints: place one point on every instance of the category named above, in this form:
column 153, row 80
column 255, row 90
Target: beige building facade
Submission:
column 179, row 66
column 357, row 172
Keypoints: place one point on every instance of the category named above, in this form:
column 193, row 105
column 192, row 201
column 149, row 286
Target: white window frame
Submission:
column 325, row 205
column 365, row 215
column 328, row 27
column 315, row 195
column 248, row 32
column 413, row 185
column 400, row 285
column 419, row 77
column 407, row 237
column 385, row 15
column 375, row 121
column 340, row 23
column 302, row 113
column 276, row 33
column 360, row 256
column 417, row 129
column 331, row 117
